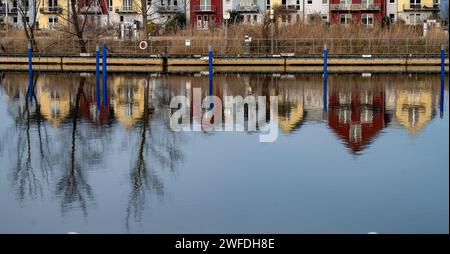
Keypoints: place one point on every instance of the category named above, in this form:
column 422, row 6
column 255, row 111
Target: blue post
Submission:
column 441, row 101
column 325, row 77
column 105, row 92
column 30, row 72
column 97, row 76
column 210, row 60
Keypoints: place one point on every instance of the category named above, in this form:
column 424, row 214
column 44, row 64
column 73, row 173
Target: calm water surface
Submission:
column 377, row 160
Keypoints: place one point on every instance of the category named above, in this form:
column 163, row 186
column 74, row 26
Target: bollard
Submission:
column 104, row 71
column 97, row 76
column 325, row 77
column 30, row 72
column 441, row 101
column 210, row 61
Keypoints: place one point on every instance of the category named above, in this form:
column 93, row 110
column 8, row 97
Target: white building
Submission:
column 392, row 9
column 316, row 7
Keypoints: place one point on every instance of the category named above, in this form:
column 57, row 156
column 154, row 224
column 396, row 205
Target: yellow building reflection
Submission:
column 54, row 100
column 128, row 100
column 414, row 109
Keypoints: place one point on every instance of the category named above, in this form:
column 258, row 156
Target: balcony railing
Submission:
column 247, row 8
column 125, row 9
column 168, row 9
column 420, row 7
column 289, row 7
column 12, row 10
column 355, row 7
column 205, row 8
column 50, row 10
column 93, row 9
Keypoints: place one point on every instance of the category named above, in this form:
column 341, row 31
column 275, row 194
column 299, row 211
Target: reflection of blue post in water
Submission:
column 104, row 74
column 97, row 76
column 325, row 76
column 210, row 61
column 441, row 101
column 30, row 72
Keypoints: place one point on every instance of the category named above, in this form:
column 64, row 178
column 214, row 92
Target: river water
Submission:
column 374, row 159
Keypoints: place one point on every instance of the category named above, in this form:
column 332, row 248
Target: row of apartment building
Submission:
column 202, row 14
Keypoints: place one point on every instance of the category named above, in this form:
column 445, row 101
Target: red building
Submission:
column 365, row 12
column 205, row 13
column 357, row 116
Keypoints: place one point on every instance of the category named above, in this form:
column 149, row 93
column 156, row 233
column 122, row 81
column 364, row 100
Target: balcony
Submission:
column 50, row 10
column 93, row 9
column 247, row 8
column 12, row 10
column 420, row 7
column 289, row 8
column 355, row 7
column 205, row 8
column 126, row 9
column 168, row 9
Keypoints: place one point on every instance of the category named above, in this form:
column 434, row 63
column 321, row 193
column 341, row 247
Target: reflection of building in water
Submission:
column 356, row 114
column 414, row 108
column 290, row 106
column 54, row 102
column 128, row 100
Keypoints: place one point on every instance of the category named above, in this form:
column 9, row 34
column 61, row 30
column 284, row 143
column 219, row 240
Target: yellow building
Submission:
column 52, row 13
column 414, row 12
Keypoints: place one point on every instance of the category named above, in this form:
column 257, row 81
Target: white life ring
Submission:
column 143, row 45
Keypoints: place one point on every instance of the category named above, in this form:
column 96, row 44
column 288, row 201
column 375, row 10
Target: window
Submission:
column 414, row 18
column 283, row 18
column 414, row 4
column 345, row 1
column 324, row 1
column 149, row 2
column 267, row 4
column 309, row 1
column 162, row 2
column 392, row 17
column 52, row 4
column 324, row 17
column 15, row 20
column 121, row 18
column 52, row 22
column 289, row 18
column 175, row 3
column 110, row 5
column 367, row 20
column 355, row 133
column 255, row 18
column 392, row 1
column 248, row 18
column 345, row 19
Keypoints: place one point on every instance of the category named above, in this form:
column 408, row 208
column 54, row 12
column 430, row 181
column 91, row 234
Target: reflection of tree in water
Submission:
column 163, row 148
column 73, row 187
column 24, row 177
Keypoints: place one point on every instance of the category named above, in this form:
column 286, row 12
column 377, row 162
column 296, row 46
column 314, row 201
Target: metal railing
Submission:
column 50, row 10
column 125, row 8
column 232, row 47
column 247, row 8
column 167, row 8
column 205, row 8
column 93, row 9
column 12, row 10
column 422, row 7
column 356, row 7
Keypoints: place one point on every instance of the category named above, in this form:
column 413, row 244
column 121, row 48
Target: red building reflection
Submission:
column 357, row 115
